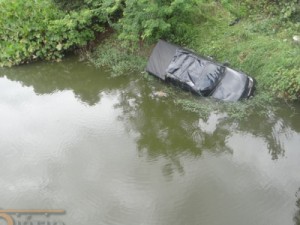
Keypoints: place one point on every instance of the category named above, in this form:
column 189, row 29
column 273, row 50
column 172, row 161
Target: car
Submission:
column 198, row 74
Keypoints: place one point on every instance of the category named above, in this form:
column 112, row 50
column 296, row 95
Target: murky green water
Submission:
column 109, row 152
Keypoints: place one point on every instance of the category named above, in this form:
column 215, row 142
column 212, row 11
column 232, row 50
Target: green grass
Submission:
column 237, row 111
column 258, row 45
column 119, row 60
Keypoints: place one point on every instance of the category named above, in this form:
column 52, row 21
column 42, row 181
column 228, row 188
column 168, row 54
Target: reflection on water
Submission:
column 84, row 81
column 109, row 152
column 158, row 120
column 297, row 214
column 135, row 98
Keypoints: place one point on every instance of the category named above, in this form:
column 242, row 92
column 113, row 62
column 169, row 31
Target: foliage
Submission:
column 37, row 29
column 118, row 59
column 283, row 9
column 46, row 29
column 259, row 43
column 70, row 4
column 149, row 20
column 195, row 106
column 235, row 7
column 104, row 11
column 258, row 105
column 140, row 21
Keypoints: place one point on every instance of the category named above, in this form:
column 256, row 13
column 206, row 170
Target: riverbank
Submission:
column 250, row 45
column 260, row 45
column 254, row 37
column 121, row 61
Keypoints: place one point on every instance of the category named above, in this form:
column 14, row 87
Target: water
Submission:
column 107, row 151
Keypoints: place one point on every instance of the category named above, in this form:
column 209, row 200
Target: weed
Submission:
column 117, row 59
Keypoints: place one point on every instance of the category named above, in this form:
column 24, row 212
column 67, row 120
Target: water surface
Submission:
column 109, row 152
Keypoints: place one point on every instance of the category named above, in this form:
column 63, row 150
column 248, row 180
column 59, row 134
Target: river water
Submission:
column 107, row 151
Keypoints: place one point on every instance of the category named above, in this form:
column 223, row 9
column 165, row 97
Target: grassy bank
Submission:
column 259, row 44
column 253, row 36
column 119, row 60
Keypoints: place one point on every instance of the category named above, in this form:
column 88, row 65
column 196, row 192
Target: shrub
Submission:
column 37, row 29
column 149, row 20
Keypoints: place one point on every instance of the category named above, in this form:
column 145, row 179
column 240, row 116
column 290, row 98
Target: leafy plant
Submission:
column 284, row 9
column 118, row 59
column 149, row 20
column 37, row 29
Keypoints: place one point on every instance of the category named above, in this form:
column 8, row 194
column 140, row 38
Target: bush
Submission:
column 37, row 29
column 46, row 29
column 150, row 20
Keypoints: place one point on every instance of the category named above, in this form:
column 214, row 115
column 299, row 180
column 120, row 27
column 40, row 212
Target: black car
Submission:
column 198, row 74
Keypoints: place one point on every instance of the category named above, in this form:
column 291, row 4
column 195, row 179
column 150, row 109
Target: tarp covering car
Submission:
column 197, row 73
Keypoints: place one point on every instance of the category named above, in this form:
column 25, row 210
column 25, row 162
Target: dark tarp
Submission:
column 198, row 74
column 170, row 61
column 160, row 58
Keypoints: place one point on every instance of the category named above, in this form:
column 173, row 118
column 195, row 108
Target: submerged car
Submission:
column 198, row 74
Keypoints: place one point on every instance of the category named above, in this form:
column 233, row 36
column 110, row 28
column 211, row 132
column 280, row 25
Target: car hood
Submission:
column 232, row 86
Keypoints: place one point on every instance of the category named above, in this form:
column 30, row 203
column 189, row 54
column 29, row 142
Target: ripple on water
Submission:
column 112, row 160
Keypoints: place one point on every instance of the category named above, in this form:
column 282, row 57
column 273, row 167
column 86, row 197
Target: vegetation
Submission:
column 260, row 45
column 260, row 106
column 254, row 36
column 118, row 59
column 37, row 29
